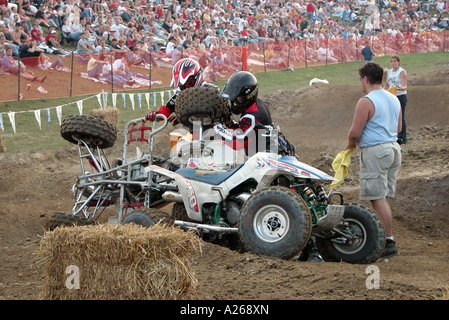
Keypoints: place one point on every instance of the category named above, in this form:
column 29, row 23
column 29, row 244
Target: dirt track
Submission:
column 316, row 119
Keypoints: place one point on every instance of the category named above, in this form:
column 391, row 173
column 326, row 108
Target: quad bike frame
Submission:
column 124, row 180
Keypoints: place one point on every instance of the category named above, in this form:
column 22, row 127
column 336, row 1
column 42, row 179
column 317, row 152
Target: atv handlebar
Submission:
column 162, row 127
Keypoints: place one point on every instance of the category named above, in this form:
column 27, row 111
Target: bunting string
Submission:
column 102, row 99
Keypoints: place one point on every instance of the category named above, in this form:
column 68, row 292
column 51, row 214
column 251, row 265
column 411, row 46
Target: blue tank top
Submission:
column 383, row 126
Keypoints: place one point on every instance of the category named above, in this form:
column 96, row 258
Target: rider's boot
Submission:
column 312, row 250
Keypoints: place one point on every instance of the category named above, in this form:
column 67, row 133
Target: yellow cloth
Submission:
column 393, row 90
column 340, row 166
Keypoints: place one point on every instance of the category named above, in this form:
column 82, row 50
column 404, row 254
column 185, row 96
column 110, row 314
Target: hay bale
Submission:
column 118, row 262
column 446, row 294
column 2, row 147
column 109, row 114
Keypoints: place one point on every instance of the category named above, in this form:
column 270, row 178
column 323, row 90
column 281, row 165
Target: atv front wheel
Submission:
column 276, row 222
column 95, row 132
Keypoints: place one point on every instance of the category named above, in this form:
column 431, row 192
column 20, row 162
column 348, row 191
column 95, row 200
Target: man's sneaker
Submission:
column 390, row 249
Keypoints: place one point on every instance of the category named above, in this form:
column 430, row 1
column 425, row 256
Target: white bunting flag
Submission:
column 162, row 96
column 99, row 100
column 114, row 100
column 12, row 119
column 80, row 105
column 131, row 97
column 1, row 123
column 59, row 113
column 147, row 97
column 37, row 115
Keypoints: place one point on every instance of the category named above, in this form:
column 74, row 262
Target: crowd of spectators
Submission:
column 205, row 29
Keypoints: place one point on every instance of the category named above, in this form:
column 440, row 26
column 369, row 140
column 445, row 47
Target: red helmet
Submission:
column 186, row 74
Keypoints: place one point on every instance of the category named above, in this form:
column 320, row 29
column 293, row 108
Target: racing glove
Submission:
column 151, row 116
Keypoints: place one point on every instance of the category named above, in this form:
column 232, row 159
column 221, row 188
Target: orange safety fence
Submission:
column 68, row 76
column 270, row 56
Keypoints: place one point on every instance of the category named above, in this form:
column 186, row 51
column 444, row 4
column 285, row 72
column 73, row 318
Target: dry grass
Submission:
column 119, row 262
column 446, row 294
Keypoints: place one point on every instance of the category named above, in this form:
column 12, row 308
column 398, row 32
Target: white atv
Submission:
column 270, row 204
column 273, row 204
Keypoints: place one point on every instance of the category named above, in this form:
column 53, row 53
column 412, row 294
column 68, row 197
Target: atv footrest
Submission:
column 333, row 216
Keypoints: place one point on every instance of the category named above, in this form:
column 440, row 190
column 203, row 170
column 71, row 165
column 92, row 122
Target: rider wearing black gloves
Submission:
column 186, row 73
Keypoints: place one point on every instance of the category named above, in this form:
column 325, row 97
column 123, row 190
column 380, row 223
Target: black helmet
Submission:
column 241, row 89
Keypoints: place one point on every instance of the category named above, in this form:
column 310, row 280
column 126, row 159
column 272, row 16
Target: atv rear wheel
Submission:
column 276, row 222
column 201, row 104
column 179, row 212
column 95, row 132
column 366, row 237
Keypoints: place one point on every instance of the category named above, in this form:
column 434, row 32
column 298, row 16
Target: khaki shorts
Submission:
column 379, row 168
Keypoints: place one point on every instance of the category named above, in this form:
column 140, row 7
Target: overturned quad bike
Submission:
column 269, row 204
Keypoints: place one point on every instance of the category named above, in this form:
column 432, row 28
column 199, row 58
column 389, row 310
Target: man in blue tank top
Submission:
column 376, row 123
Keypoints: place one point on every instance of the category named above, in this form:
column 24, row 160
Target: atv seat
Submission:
column 207, row 176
